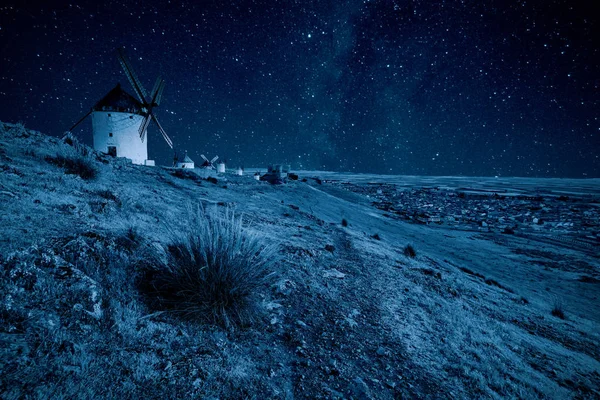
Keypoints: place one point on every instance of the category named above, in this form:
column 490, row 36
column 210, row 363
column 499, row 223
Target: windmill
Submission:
column 187, row 162
column 221, row 166
column 120, row 121
column 209, row 164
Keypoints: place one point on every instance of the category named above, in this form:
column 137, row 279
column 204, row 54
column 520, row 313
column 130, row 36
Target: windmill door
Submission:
column 112, row 151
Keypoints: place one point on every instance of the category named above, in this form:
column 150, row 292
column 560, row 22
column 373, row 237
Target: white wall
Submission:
column 125, row 136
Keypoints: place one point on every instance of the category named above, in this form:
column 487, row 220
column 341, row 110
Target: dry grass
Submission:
column 409, row 251
column 75, row 165
column 213, row 272
column 558, row 309
column 72, row 325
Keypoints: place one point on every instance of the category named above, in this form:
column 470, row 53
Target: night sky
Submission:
column 509, row 88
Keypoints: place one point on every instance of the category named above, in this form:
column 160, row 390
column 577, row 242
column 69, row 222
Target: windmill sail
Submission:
column 154, row 100
column 162, row 131
column 144, row 126
column 81, row 120
column 131, row 75
column 156, row 93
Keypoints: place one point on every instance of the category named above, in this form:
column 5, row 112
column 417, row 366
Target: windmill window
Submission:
column 110, row 134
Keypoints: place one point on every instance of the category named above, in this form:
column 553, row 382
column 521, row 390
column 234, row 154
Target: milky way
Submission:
column 401, row 87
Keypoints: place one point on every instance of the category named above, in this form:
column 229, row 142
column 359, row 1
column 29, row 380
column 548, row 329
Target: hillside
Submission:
column 501, row 306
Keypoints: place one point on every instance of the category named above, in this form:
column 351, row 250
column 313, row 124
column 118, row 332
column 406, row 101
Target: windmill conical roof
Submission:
column 187, row 159
column 119, row 100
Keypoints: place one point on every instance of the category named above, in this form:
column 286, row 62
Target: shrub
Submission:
column 508, row 231
column 558, row 309
column 186, row 174
column 344, row 222
column 76, row 165
column 108, row 195
column 212, row 272
column 409, row 251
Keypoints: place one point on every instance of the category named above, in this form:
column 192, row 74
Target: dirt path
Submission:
column 335, row 331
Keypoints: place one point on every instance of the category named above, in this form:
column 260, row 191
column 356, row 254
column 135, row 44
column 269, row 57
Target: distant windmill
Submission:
column 187, row 162
column 209, row 163
column 120, row 121
column 221, row 167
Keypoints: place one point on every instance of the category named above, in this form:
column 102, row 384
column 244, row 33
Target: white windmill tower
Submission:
column 120, row 121
column 221, row 167
column 187, row 162
column 209, row 164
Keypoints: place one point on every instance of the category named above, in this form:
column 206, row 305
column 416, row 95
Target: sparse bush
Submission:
column 80, row 148
column 344, row 222
column 186, row 174
column 558, row 309
column 376, row 236
column 213, row 272
column 431, row 272
column 409, row 251
column 508, row 231
column 76, row 165
column 16, row 130
column 108, row 195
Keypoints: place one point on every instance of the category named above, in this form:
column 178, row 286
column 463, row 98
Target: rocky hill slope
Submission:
column 365, row 304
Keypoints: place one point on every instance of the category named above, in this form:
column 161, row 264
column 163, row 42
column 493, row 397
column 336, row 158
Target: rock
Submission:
column 330, row 248
column 360, row 390
column 334, row 273
column 301, row 323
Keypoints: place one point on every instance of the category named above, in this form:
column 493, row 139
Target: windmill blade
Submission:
column 204, row 158
column 133, row 79
column 214, row 159
column 156, row 93
column 162, row 131
column 81, row 120
column 144, row 126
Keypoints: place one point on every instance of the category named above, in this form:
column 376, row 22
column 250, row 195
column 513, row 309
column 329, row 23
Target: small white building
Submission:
column 221, row 167
column 116, row 120
column 187, row 162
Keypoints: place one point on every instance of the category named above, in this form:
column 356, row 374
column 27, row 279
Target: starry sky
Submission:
column 482, row 87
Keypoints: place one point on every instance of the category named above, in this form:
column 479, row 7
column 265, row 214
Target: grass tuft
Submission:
column 558, row 309
column 75, row 165
column 409, row 251
column 213, row 272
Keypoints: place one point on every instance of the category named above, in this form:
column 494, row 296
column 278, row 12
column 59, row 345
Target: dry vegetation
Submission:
column 212, row 271
column 113, row 287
